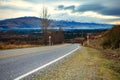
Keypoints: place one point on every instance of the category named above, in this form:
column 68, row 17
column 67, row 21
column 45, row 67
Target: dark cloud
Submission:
column 110, row 11
column 72, row 7
column 99, row 8
column 89, row 7
column 62, row 7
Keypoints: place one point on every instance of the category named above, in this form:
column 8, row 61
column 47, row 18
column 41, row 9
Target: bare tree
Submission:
column 45, row 23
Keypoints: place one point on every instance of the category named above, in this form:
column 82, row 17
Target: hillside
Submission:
column 112, row 38
column 109, row 39
column 34, row 22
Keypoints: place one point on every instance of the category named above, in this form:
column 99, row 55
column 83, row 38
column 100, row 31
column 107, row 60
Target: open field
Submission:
column 84, row 64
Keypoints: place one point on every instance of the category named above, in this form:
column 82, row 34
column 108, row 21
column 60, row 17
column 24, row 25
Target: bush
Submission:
column 115, row 65
column 112, row 38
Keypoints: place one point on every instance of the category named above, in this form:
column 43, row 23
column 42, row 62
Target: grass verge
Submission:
column 15, row 46
column 85, row 64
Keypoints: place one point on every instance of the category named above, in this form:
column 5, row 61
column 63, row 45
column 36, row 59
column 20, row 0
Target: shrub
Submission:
column 112, row 38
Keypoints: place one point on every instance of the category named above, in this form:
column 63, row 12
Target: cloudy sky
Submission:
column 99, row 11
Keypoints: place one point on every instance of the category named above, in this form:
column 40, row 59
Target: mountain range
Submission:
column 34, row 23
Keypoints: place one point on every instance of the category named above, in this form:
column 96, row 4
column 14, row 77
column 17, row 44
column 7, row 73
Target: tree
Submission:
column 60, row 35
column 45, row 23
column 57, row 36
column 53, row 35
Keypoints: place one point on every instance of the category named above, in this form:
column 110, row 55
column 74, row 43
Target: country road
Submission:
column 17, row 62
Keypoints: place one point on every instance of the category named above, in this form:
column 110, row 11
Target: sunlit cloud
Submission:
column 115, row 22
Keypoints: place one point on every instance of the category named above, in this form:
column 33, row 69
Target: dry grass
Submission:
column 14, row 46
column 113, row 55
column 84, row 64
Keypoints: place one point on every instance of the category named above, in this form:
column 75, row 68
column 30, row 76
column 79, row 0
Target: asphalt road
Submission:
column 17, row 62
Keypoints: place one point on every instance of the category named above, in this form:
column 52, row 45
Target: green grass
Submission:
column 84, row 64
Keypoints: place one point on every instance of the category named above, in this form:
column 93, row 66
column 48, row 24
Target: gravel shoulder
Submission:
column 85, row 64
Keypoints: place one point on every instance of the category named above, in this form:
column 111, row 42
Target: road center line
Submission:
column 49, row 63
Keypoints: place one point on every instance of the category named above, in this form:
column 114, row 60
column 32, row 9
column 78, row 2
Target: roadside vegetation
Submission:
column 12, row 40
column 85, row 64
column 109, row 45
column 111, row 39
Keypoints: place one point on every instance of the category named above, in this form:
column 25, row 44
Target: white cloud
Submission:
column 115, row 22
column 12, row 14
column 16, row 3
column 31, row 9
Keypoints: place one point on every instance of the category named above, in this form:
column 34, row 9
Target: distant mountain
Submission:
column 34, row 22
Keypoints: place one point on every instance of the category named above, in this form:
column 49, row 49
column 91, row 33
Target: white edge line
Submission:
column 41, row 67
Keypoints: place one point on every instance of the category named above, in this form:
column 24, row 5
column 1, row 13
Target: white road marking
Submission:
column 41, row 67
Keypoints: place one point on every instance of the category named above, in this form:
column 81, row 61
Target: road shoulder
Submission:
column 86, row 64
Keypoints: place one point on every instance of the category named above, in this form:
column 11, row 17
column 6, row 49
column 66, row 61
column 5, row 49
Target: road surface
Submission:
column 17, row 62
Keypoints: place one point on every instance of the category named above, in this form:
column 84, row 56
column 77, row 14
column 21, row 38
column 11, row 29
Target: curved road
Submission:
column 17, row 62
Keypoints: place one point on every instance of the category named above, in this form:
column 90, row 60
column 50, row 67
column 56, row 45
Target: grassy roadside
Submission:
column 113, row 55
column 84, row 64
column 15, row 46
